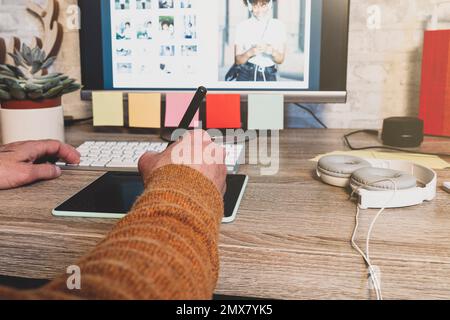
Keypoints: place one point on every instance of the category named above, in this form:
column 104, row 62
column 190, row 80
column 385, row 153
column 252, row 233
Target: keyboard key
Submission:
column 99, row 164
column 121, row 165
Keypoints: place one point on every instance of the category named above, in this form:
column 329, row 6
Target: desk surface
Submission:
column 290, row 241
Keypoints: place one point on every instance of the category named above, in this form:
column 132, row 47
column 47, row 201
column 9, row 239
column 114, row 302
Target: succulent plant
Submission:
column 25, row 80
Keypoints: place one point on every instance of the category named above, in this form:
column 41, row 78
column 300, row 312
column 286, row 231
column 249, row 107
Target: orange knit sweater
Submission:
column 166, row 248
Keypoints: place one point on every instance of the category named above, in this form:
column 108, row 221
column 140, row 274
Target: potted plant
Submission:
column 30, row 99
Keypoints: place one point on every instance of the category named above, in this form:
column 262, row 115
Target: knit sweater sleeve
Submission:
column 166, row 247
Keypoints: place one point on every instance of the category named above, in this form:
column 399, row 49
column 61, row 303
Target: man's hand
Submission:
column 217, row 172
column 22, row 163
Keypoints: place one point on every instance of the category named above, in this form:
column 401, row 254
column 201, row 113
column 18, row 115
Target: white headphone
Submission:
column 374, row 180
column 250, row 6
column 379, row 184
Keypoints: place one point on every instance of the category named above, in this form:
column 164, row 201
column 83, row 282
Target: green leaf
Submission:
column 36, row 54
column 3, row 78
column 20, row 57
column 68, row 82
column 48, row 76
column 18, row 73
column 5, row 69
column 26, row 52
column 54, row 92
column 17, row 60
column 4, row 95
column 36, row 67
column 43, row 56
column 29, row 86
column 25, row 48
column 12, row 83
column 35, row 95
column 50, row 84
column 47, row 64
column 71, row 88
column 7, row 73
column 18, row 94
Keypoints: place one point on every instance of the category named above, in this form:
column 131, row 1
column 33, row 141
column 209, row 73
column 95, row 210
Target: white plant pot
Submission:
column 28, row 120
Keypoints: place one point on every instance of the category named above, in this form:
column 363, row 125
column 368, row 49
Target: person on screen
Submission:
column 260, row 43
column 166, row 4
column 146, row 32
column 124, row 32
column 167, row 30
column 143, row 4
column 189, row 32
column 171, row 233
column 186, row 4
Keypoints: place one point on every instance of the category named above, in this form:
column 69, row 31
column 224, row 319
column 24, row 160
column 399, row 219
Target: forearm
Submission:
column 243, row 58
column 278, row 56
column 166, row 248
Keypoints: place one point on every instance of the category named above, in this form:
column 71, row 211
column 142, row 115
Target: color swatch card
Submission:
column 223, row 111
column 108, row 108
column 176, row 106
column 144, row 110
column 265, row 112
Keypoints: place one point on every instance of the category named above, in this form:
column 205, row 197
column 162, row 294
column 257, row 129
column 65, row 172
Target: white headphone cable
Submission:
column 366, row 256
column 373, row 276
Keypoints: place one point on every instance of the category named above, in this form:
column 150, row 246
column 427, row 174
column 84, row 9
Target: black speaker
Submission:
column 403, row 132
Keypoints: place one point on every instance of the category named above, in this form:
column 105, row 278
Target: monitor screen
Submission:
column 224, row 45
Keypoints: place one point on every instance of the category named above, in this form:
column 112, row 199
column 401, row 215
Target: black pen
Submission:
column 193, row 108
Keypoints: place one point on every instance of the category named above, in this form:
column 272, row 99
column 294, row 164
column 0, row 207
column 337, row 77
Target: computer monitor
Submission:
column 294, row 47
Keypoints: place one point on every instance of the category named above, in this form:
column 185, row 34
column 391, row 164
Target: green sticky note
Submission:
column 265, row 112
column 108, row 109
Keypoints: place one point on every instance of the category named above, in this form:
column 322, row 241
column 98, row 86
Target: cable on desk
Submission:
column 375, row 132
column 312, row 114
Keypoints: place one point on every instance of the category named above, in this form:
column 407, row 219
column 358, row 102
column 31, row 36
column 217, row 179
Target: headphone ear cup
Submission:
column 337, row 170
column 379, row 179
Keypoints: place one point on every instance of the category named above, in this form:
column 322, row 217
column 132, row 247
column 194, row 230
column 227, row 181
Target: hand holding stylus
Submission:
column 216, row 172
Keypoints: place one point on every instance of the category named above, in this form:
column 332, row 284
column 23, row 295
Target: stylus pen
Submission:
column 194, row 106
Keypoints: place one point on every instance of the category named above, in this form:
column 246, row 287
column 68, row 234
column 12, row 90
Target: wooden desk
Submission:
column 291, row 239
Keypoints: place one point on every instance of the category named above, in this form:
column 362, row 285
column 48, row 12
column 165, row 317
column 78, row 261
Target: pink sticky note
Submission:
column 176, row 106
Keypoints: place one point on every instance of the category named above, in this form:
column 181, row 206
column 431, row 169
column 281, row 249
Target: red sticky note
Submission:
column 223, row 111
column 176, row 106
column 435, row 92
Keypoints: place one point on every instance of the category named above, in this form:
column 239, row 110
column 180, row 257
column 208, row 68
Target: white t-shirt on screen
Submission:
column 254, row 32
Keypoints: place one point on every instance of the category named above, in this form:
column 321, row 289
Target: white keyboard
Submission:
column 124, row 156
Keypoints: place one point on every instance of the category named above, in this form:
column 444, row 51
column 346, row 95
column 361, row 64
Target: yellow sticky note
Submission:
column 144, row 110
column 108, row 108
